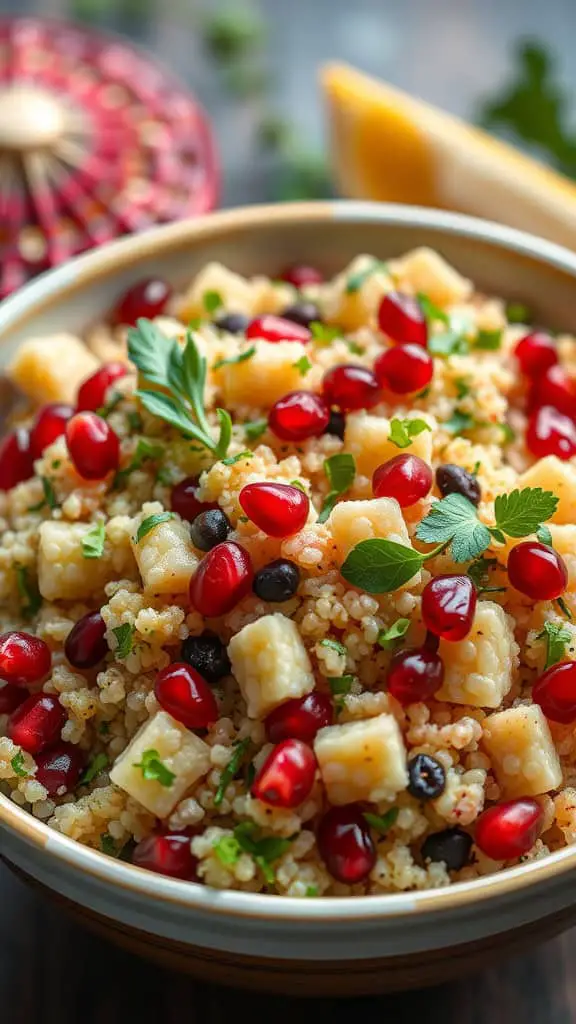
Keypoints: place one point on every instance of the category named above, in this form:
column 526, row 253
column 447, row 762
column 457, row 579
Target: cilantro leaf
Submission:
column 265, row 851
column 356, row 280
column 489, row 341
column 431, row 310
column 459, row 422
column 255, row 428
column 212, row 301
column 154, row 770
column 387, row 638
column 340, row 685
column 302, row 365
column 402, row 432
column 242, row 357
column 228, row 850
column 544, row 536
column 17, row 763
column 151, row 522
column 380, row 566
column 382, row 822
column 479, row 573
column 556, row 636
column 455, row 519
column 231, row 769
column 246, row 454
column 324, row 333
column 93, row 541
column 521, row 512
column 31, row 599
column 124, row 635
column 340, row 470
column 98, row 763
column 334, row 645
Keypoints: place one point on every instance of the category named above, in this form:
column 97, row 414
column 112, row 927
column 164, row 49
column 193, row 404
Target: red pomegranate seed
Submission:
column 184, row 501
column 50, row 423
column 300, row 718
column 85, row 644
column 405, row 477
column 11, row 697
column 351, row 387
column 554, row 387
column 402, row 319
column 415, row 675
column 287, row 775
column 536, row 353
column 92, row 393
column 94, row 447
column 24, row 659
column 345, row 844
column 537, row 571
column 555, row 692
column 37, row 723
column 59, row 768
column 275, row 328
column 300, row 275
column 549, row 432
column 182, row 691
column 510, row 829
column 280, row 510
column 16, row 459
column 146, row 298
column 448, row 606
column 167, row 855
column 404, row 369
column 222, row 579
column 298, row 416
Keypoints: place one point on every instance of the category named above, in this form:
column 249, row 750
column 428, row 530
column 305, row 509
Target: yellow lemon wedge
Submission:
column 388, row 146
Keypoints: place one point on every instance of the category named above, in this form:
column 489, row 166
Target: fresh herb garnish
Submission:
column 462, row 388
column 451, row 342
column 340, row 687
column 246, row 454
column 556, row 636
column 402, row 432
column 134, row 420
column 388, row 638
column 144, row 451
column 255, row 429
column 564, row 608
column 29, row 593
column 231, row 769
column 517, row 313
column 356, row 280
column 228, row 850
column 333, row 645
column 431, row 311
column 489, row 341
column 242, row 357
column 324, row 333
column 544, row 536
column 311, row 891
column 340, row 470
column 107, row 845
column 265, row 851
column 114, row 400
column 302, row 365
column 381, row 566
column 93, row 541
column 125, row 636
column 523, row 512
column 212, row 301
column 154, row 770
column 479, row 573
column 382, row 822
column 299, row 485
column 49, row 498
column 17, row 763
column 98, row 763
column 354, row 348
column 151, row 522
column 459, row 422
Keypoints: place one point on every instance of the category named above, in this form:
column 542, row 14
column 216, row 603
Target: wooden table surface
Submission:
column 52, row 972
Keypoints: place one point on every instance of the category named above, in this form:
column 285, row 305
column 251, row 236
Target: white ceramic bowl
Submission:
column 325, row 945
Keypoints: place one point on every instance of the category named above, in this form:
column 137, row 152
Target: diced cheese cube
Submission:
column 367, row 439
column 236, row 292
column 165, row 557
column 363, row 760
column 64, row 574
column 552, row 474
column 50, row 369
column 270, row 663
column 424, row 270
column 353, row 521
column 180, row 751
column 479, row 669
column 522, row 751
column 264, row 378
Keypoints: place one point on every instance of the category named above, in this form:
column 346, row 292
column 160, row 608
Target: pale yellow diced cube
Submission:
column 270, row 663
column 479, row 670
column 64, row 574
column 352, row 309
column 165, row 556
column 236, row 292
column 51, row 369
column 424, row 270
column 363, row 760
column 367, row 439
column 522, row 751
column 264, row 378
column 180, row 751
column 552, row 474
column 353, row 521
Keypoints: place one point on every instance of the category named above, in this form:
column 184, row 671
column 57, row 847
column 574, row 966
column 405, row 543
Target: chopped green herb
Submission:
column 388, row 638
column 17, row 763
column 476, row 467
column 242, row 357
column 452, row 342
column 355, row 349
column 333, row 645
column 431, row 311
column 154, row 770
column 104, row 728
column 340, row 687
column 49, row 498
column 164, row 476
column 459, row 422
column 134, row 420
column 250, row 775
column 517, row 313
column 508, row 434
column 29, row 593
column 93, row 541
column 564, row 608
column 265, row 851
column 211, row 301
column 402, row 432
column 145, row 451
column 228, row 850
column 462, row 388
column 340, row 470
column 125, row 636
column 255, row 429
column 382, row 823
column 56, row 463
column 355, row 281
column 107, row 845
column 151, row 522
column 479, row 573
column 324, row 333
column 544, row 536
column 311, row 891
column 299, row 485
column 556, row 636
column 246, row 454
column 231, row 769
column 302, row 365
column 112, row 403
column 232, row 34
column 490, row 341
column 98, row 763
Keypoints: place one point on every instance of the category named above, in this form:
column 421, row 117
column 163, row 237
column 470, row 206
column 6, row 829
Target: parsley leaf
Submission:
column 107, row 845
column 522, row 512
column 151, row 522
column 479, row 573
column 431, row 310
column 451, row 342
column 124, row 635
column 324, row 333
column 212, row 301
column 98, row 763
column 29, row 593
column 333, row 645
column 340, row 470
column 462, row 388
column 382, row 823
column 387, row 638
column 356, row 280
column 459, row 422
column 242, row 357
column 154, row 770
column 144, row 451
column 93, row 541
column 246, row 454
column 556, row 636
column 455, row 519
column 228, row 850
column 264, row 851
column 17, row 763
column 49, row 498
column 402, row 432
column 340, row 686
column 255, row 428
column 489, row 341
column 380, row 566
column 544, row 536
column 302, row 365
column 231, row 769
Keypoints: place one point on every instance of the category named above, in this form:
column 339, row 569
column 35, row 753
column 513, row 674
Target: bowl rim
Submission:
column 45, row 291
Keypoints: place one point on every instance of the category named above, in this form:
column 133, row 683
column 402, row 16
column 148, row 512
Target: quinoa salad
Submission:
column 288, row 581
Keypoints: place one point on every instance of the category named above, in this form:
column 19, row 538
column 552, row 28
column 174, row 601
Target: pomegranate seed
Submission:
column 167, row 855
column 415, row 675
column 10, row 698
column 92, row 393
column 280, row 510
column 16, row 459
column 405, row 477
column 404, row 369
column 510, row 829
column 448, row 606
column 146, row 298
column 222, row 579
column 536, row 353
column 300, row 718
column 402, row 319
column 275, row 328
column 59, row 768
column 554, row 387
column 549, row 432
column 50, row 423
column 351, row 387
column 24, row 659
column 182, row 691
column 298, row 416
column 37, row 722
column 287, row 775
column 94, row 447
column 537, row 571
column 184, row 501
column 300, row 275
column 555, row 692
column 85, row 644
column 345, row 844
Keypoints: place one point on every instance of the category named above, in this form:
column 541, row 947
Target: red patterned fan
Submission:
column 96, row 141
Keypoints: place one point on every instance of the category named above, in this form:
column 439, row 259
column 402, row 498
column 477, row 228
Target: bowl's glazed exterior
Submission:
column 317, row 945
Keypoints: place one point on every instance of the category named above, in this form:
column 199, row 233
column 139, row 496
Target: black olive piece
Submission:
column 455, row 480
column 336, row 424
column 234, row 323
column 209, row 528
column 452, row 846
column 427, row 778
column 303, row 313
column 277, row 581
column 207, row 654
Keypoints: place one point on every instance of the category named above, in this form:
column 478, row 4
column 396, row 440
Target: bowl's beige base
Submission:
column 318, row 977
